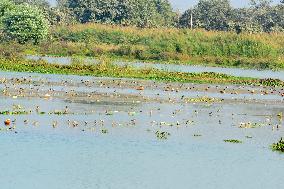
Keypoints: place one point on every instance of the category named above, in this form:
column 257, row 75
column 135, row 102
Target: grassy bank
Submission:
column 261, row 51
column 106, row 69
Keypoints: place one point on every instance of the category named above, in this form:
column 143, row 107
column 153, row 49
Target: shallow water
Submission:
column 130, row 155
column 178, row 68
column 67, row 83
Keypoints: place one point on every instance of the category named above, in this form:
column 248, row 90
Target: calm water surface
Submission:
column 131, row 156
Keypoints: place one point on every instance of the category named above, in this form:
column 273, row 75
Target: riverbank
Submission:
column 169, row 46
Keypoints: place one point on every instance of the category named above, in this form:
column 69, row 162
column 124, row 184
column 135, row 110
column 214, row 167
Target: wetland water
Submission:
column 177, row 68
column 107, row 137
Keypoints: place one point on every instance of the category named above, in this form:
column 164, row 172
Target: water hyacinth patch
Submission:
column 279, row 146
column 233, row 141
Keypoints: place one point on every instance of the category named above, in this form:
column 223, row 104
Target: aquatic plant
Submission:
column 58, row 113
column 111, row 70
column 104, row 131
column 109, row 113
column 162, row 135
column 279, row 146
column 233, row 141
column 204, row 99
column 197, row 135
column 250, row 125
column 271, row 82
column 280, row 116
column 132, row 113
column 14, row 112
column 248, row 136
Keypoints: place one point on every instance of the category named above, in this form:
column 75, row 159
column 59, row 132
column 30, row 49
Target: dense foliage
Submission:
column 142, row 13
column 261, row 51
column 24, row 23
column 260, row 16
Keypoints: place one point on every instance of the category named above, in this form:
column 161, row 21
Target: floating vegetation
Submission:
column 279, row 146
column 104, row 131
column 280, row 116
column 15, row 112
column 233, row 141
column 162, row 135
column 204, row 99
column 250, row 125
column 112, row 70
column 56, row 112
column 197, row 135
column 166, row 124
column 132, row 113
column 109, row 113
column 271, row 82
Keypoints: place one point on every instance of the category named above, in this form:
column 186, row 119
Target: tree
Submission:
column 5, row 5
column 25, row 23
column 142, row 13
column 262, row 14
column 243, row 21
column 185, row 19
column 210, row 15
column 42, row 4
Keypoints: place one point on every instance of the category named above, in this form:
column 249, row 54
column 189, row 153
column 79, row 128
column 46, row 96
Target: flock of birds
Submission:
column 125, row 91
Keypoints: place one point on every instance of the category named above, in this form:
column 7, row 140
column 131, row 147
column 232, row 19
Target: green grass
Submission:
column 261, row 51
column 175, row 46
column 106, row 69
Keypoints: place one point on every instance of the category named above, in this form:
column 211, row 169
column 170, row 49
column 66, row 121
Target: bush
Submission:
column 25, row 23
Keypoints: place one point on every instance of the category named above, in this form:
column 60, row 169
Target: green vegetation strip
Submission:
column 163, row 45
column 106, row 69
column 226, row 49
column 14, row 113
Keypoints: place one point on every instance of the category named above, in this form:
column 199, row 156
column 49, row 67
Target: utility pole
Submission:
column 191, row 20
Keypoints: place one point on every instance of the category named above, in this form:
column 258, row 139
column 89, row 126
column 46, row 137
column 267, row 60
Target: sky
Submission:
column 185, row 4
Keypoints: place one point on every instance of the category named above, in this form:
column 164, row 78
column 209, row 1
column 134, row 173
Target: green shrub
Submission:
column 25, row 23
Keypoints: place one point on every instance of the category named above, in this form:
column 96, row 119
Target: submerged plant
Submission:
column 279, row 146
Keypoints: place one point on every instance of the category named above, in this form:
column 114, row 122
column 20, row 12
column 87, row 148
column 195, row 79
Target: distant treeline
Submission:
column 260, row 16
